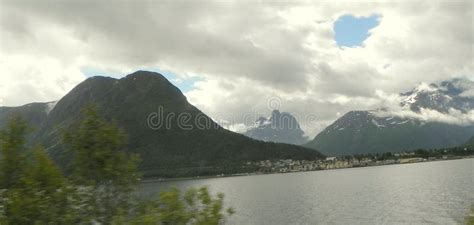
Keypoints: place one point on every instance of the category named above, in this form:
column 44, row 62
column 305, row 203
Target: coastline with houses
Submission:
column 341, row 162
column 289, row 165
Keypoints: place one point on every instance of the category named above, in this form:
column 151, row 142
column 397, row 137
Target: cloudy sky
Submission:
column 235, row 59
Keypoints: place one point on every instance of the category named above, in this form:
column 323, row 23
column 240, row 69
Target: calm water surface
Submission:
column 422, row 193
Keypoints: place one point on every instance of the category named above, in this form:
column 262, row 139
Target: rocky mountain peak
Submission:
column 279, row 127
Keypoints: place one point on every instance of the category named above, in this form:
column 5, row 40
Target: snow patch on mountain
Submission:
column 50, row 106
column 468, row 93
column 377, row 124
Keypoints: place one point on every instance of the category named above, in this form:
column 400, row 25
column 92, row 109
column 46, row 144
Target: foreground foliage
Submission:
column 470, row 216
column 100, row 189
column 197, row 207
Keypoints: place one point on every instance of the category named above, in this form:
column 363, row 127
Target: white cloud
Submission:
column 26, row 79
column 429, row 115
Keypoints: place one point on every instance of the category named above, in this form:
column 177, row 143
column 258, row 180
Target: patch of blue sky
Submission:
column 185, row 84
column 351, row 31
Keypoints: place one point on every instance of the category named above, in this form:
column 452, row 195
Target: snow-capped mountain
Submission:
column 281, row 127
column 383, row 130
column 455, row 94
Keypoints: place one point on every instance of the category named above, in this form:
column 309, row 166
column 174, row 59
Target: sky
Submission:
column 236, row 60
column 351, row 31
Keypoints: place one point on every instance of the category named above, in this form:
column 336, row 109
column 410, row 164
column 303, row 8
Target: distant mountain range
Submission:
column 34, row 115
column 279, row 127
column 178, row 151
column 165, row 152
column 378, row 131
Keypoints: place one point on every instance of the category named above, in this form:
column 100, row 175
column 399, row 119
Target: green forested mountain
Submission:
column 360, row 132
column 33, row 113
column 175, row 150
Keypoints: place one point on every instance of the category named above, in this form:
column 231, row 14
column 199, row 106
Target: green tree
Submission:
column 41, row 196
column 101, row 165
column 99, row 159
column 12, row 158
column 33, row 189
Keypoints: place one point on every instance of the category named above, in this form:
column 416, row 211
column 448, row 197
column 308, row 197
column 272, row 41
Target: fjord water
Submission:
column 423, row 193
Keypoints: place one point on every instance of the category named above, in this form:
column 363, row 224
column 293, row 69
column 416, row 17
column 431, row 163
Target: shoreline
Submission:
column 156, row 180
